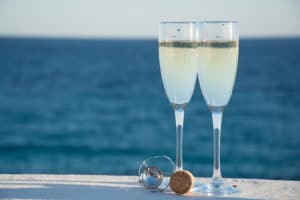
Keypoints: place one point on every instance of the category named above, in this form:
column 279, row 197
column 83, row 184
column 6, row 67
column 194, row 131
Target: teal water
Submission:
column 99, row 107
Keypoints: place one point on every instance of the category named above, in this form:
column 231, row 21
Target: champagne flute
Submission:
column 178, row 66
column 218, row 48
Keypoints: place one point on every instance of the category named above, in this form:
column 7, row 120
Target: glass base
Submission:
column 216, row 188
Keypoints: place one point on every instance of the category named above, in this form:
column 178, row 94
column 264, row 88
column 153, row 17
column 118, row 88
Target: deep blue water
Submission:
column 99, row 107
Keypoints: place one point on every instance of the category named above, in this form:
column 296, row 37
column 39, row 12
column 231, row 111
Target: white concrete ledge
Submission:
column 40, row 186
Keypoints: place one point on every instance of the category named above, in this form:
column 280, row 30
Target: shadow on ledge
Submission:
column 99, row 190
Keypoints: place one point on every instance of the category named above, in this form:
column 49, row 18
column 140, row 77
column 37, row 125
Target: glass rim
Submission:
column 201, row 21
column 177, row 22
column 219, row 21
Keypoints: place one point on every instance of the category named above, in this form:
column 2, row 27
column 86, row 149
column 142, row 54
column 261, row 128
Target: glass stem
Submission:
column 217, row 113
column 179, row 117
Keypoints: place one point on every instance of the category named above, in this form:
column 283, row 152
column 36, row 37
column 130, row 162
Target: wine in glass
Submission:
column 218, row 49
column 178, row 66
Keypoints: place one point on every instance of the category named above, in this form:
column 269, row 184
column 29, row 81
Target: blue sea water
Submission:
column 99, row 107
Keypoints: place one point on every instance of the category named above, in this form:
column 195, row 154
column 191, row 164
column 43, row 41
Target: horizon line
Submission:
column 70, row 37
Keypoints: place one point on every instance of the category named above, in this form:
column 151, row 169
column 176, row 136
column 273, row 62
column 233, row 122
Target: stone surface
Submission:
column 41, row 186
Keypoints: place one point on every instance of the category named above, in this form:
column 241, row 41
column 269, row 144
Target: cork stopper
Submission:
column 181, row 182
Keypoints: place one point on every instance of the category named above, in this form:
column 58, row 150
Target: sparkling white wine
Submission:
column 178, row 65
column 217, row 69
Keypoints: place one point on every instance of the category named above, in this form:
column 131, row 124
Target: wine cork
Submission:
column 181, row 182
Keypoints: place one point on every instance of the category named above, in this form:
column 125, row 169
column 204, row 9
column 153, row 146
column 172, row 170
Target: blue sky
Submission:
column 140, row 18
